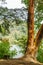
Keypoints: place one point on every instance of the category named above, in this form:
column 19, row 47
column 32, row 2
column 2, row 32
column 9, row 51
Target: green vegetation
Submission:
column 4, row 48
column 38, row 12
column 40, row 53
column 15, row 30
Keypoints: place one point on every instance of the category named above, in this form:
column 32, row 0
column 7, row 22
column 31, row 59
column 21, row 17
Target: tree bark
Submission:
column 38, row 39
column 30, row 28
column 39, row 36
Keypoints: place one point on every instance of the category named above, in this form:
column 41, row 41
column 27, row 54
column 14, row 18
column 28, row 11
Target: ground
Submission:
column 18, row 62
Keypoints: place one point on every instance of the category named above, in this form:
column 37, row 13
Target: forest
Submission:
column 21, row 34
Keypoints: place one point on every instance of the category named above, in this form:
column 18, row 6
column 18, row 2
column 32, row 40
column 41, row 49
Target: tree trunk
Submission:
column 30, row 28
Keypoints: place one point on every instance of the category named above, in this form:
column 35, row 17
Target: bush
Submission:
column 40, row 53
column 4, row 48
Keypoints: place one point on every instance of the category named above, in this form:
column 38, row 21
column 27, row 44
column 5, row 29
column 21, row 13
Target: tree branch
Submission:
column 39, row 36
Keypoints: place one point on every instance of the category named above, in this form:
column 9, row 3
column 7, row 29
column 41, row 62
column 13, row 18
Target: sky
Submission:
column 13, row 4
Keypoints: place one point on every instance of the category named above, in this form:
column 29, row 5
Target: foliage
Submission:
column 26, row 2
column 17, row 36
column 4, row 48
column 16, row 27
column 40, row 52
column 38, row 13
column 13, row 53
column 4, row 27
